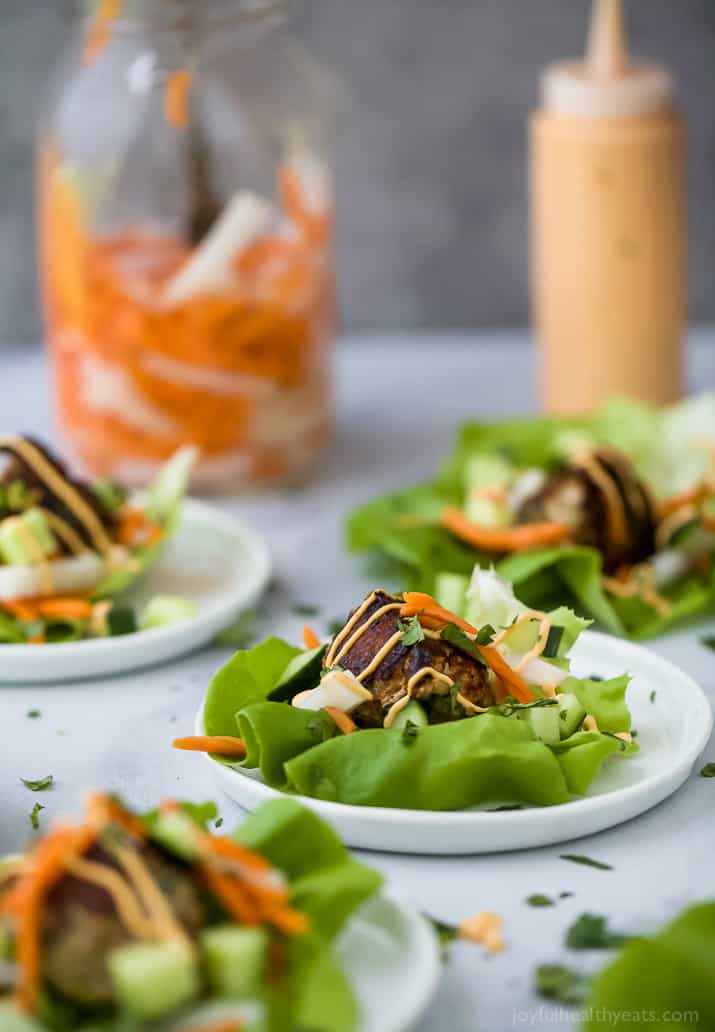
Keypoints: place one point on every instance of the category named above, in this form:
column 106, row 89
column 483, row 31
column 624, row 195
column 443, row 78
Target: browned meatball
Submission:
column 389, row 681
column 604, row 502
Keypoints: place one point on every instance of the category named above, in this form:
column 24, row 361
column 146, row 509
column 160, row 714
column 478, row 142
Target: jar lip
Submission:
column 180, row 15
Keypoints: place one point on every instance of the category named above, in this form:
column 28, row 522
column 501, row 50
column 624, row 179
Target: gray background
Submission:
column 431, row 156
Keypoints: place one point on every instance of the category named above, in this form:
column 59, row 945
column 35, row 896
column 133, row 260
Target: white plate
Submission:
column 213, row 560
column 391, row 957
column 672, row 732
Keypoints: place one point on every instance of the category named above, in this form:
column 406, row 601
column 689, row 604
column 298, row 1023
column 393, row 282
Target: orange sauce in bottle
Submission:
column 608, row 227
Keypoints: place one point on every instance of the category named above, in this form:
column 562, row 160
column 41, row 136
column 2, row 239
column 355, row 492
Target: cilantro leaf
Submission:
column 709, row 643
column 652, row 696
column 557, row 982
column 485, row 635
column 33, row 714
column 590, row 932
column 40, row 785
column 304, row 609
column 412, row 632
column 586, row 861
column 457, row 637
column 537, row 900
column 35, row 815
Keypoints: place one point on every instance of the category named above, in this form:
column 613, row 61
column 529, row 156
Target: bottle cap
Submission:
column 607, row 83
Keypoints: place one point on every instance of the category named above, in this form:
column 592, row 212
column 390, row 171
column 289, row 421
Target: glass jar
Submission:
column 185, row 213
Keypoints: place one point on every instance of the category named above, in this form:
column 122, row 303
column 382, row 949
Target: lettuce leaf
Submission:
column 667, row 974
column 450, row 766
column 670, row 449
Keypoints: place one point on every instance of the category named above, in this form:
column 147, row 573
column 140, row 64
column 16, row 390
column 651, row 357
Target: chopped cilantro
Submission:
column 40, row 785
column 304, row 609
column 485, row 635
column 35, row 815
column 33, row 714
column 334, row 626
column 565, row 895
column 556, row 982
column 537, row 900
column 411, row 629
column 709, row 642
column 586, row 860
column 708, row 771
column 456, row 636
column 218, row 822
column 652, row 696
column 590, row 932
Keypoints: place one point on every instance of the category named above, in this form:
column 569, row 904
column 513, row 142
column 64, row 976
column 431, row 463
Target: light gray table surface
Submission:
column 397, row 409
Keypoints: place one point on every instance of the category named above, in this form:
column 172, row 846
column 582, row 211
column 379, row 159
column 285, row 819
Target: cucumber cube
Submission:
column 544, row 721
column 151, row 980
column 177, row 833
column 235, row 959
column 24, row 539
column 571, row 714
column 414, row 713
column 451, row 591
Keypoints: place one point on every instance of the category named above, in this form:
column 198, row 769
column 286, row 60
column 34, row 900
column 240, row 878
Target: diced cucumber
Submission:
column 235, row 959
column 177, row 833
column 544, row 722
column 482, row 471
column 23, row 539
column 522, row 637
column 485, row 511
column 14, row 1020
column 413, row 713
column 151, row 980
column 571, row 714
column 166, row 609
column 451, row 591
column 302, row 672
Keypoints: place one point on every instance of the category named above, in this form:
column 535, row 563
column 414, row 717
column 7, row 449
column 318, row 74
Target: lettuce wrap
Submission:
column 540, row 752
column 672, row 450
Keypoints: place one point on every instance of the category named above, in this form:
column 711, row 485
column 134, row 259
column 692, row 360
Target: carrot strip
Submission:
column 287, row 920
column 20, row 609
column 176, row 98
column 503, row 539
column 708, row 522
column 429, row 611
column 310, row 638
column 346, row 724
column 231, row 895
column 691, row 497
column 64, row 608
column 222, row 745
column 103, row 810
column 224, row 847
column 100, row 30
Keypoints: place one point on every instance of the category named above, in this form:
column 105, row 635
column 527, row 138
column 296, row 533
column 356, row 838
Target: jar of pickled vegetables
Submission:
column 185, row 218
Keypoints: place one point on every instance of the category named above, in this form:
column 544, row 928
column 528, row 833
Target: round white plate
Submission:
column 672, row 732
column 391, row 957
column 213, row 560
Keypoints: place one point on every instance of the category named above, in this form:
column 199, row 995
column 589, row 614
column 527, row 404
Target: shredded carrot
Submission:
column 37, row 639
column 708, row 522
column 431, row 613
column 222, row 745
column 100, row 30
column 232, row 895
column 346, row 724
column 503, row 539
column 50, row 607
column 287, row 920
column 135, row 528
column 220, row 845
column 691, row 497
column 310, row 638
column 103, row 809
column 19, row 608
column 176, row 98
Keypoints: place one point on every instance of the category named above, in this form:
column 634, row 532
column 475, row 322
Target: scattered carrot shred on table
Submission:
column 100, row 30
column 346, row 724
column 176, row 98
column 310, row 638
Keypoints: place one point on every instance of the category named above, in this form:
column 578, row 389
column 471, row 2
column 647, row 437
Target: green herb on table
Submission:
column 304, row 609
column 35, row 815
column 590, row 932
column 409, row 732
column 652, row 696
column 40, row 785
column 242, row 633
column 333, row 626
column 218, row 822
column 586, row 861
column 565, row 895
column 537, row 900
column 556, row 982
column 708, row 771
column 411, row 629
column 33, row 714
column 709, row 643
